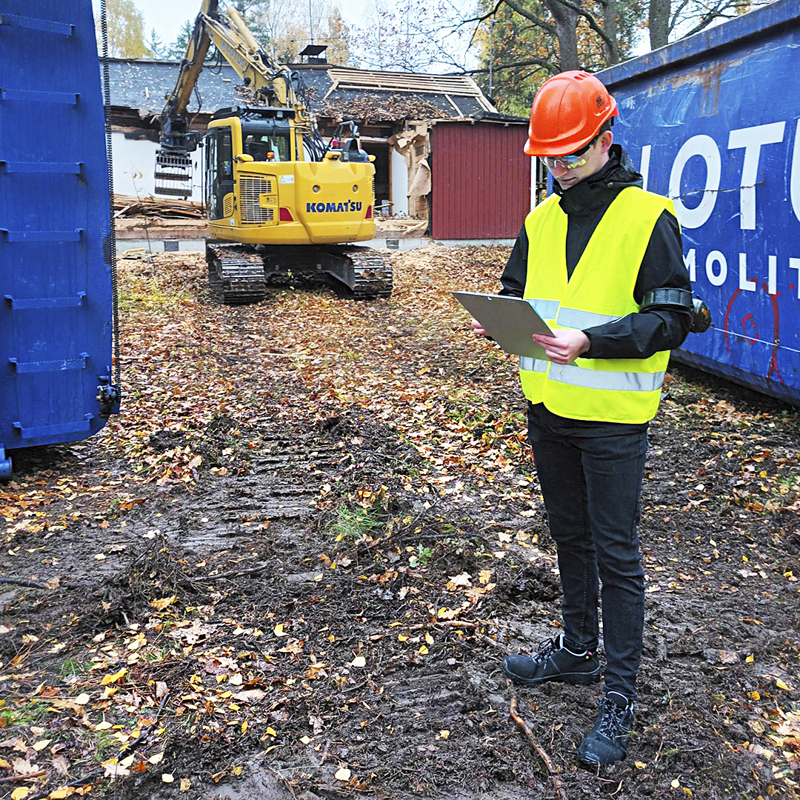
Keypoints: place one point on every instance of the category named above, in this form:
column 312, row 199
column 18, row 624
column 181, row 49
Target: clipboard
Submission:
column 510, row 321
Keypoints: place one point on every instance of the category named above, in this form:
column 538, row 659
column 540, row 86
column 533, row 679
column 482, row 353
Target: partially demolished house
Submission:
column 443, row 155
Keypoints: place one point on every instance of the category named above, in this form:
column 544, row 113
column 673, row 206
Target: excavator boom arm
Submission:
column 268, row 81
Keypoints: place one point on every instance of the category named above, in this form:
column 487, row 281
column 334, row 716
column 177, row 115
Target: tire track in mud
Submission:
column 280, row 486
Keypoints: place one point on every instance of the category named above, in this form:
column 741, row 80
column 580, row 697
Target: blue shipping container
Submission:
column 55, row 228
column 713, row 122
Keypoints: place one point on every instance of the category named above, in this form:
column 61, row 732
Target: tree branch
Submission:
column 533, row 62
column 540, row 23
column 592, row 22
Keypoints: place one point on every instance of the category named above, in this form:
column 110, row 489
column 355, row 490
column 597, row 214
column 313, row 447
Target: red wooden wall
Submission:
column 481, row 180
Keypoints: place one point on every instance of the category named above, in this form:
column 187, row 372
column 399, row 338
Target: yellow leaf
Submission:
column 82, row 699
column 61, row 793
column 164, row 602
column 127, row 761
column 186, row 784
column 278, row 630
column 305, row 740
column 781, row 685
column 20, row 794
column 244, row 727
column 271, row 732
column 102, row 726
column 423, row 650
column 167, row 777
column 640, row 765
column 675, row 784
column 444, row 734
column 359, row 661
column 428, row 638
column 342, row 774
column 156, row 758
column 41, row 745
column 116, row 677
column 402, row 637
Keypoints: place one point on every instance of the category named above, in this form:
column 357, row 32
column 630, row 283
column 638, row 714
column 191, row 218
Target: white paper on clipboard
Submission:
column 510, row 321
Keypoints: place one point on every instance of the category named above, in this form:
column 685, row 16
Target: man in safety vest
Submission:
column 601, row 260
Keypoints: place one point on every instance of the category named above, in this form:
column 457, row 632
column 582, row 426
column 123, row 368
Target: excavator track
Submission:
column 238, row 274
column 235, row 274
column 372, row 273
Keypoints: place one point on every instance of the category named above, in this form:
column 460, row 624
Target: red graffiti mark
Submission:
column 752, row 320
column 773, row 371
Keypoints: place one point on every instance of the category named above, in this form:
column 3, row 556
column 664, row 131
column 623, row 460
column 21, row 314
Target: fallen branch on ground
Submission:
column 559, row 789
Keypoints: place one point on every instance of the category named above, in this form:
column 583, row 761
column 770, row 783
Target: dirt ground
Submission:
column 291, row 567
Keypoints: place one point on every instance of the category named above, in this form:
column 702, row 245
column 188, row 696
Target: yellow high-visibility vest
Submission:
column 599, row 291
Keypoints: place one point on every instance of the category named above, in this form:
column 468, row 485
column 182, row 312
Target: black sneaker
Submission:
column 607, row 742
column 553, row 663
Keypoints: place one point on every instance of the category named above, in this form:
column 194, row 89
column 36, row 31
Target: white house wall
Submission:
column 399, row 173
column 134, row 162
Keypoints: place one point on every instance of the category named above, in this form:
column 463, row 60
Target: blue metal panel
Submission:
column 55, row 282
column 713, row 122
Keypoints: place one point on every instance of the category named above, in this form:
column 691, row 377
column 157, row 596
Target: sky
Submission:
column 167, row 16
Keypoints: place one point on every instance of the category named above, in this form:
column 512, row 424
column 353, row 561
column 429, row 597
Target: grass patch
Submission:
column 357, row 523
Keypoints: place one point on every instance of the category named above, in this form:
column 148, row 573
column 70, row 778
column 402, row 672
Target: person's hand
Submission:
column 477, row 328
column 565, row 346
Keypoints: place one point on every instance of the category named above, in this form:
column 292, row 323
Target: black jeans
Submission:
column 591, row 483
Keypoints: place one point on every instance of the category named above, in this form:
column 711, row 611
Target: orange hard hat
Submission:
column 567, row 113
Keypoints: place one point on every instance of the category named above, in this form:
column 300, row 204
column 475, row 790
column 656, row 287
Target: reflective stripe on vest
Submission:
column 572, row 318
column 533, row 364
column 610, row 381
column 546, row 309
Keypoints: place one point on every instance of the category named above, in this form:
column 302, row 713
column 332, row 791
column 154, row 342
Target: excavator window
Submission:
column 267, row 147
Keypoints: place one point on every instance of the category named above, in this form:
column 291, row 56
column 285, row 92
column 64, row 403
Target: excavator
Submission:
column 280, row 201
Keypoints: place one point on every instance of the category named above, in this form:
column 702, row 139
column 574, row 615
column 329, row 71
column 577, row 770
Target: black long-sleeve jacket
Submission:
column 638, row 335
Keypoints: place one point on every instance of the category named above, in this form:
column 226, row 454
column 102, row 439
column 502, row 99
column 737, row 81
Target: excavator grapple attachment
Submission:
column 173, row 173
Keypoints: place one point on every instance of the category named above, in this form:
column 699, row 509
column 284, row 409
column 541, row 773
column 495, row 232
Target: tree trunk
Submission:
column 658, row 22
column 610, row 27
column 566, row 28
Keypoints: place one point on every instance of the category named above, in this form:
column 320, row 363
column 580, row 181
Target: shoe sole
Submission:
column 596, row 766
column 575, row 678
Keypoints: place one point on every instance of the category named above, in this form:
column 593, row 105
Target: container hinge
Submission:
column 109, row 397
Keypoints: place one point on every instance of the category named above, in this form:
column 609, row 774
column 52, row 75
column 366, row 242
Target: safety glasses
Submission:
column 572, row 161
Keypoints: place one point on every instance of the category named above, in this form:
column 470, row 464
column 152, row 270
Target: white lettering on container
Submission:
column 752, row 139
column 705, row 147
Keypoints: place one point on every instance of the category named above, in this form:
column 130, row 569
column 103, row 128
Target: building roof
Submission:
column 142, row 84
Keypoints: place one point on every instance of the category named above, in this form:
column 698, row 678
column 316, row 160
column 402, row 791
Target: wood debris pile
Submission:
column 381, row 109
column 149, row 206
